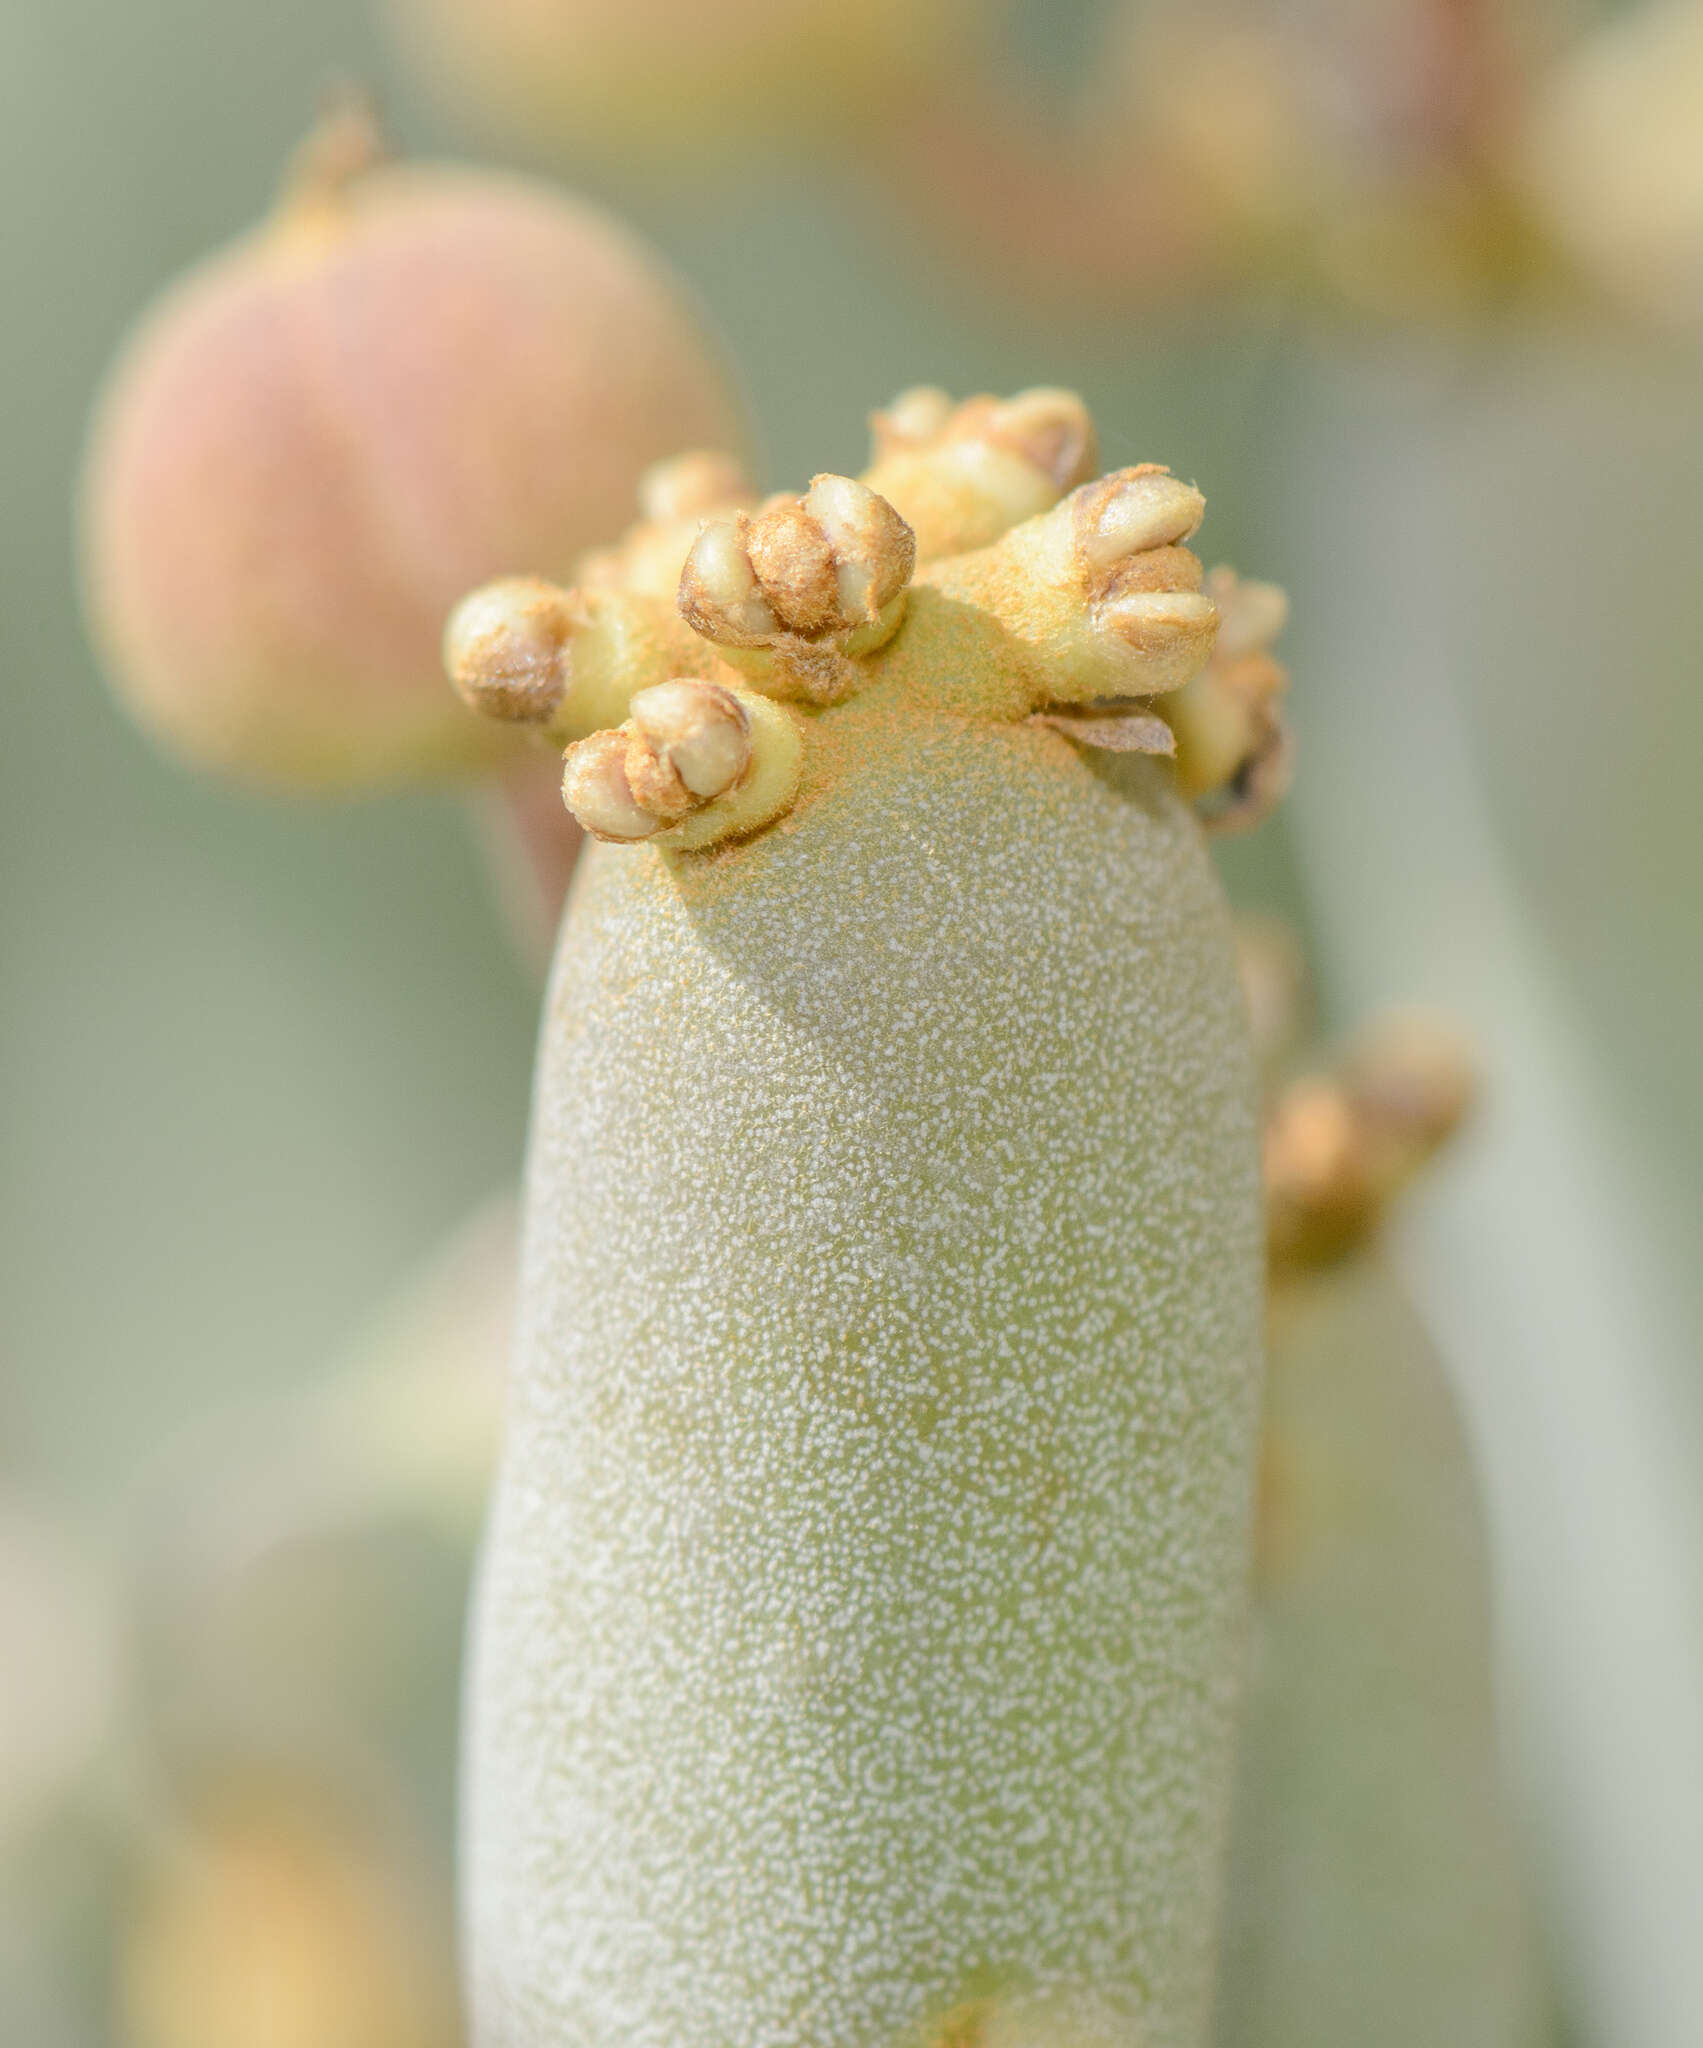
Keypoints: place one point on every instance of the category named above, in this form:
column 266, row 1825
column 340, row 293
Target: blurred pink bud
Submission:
column 408, row 379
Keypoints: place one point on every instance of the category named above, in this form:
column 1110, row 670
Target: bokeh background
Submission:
column 262, row 1061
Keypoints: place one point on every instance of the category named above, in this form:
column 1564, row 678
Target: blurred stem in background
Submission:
column 1537, row 1259
column 1378, row 1889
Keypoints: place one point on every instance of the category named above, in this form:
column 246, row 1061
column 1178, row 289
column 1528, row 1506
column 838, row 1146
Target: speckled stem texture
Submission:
column 1375, row 1897
column 859, row 1629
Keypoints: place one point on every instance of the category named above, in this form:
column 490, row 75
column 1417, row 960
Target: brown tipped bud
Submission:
column 1340, row 1148
column 695, row 761
column 701, row 731
column 811, row 580
column 1412, row 1080
column 596, row 789
column 962, row 475
column 691, row 486
column 1262, row 784
column 1130, row 511
column 675, row 497
column 655, row 785
column 1166, row 568
column 720, row 595
column 793, row 560
column 1321, row 1194
column 916, row 417
column 1160, row 624
column 1050, row 429
column 506, row 648
column 1233, row 746
column 1251, row 616
column 1100, row 587
column 873, row 550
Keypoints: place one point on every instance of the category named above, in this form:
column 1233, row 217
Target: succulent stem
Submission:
column 859, row 1630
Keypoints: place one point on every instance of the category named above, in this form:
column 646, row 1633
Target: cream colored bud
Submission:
column 602, row 569
column 1340, row 1147
column 1046, row 428
column 765, row 785
column 1132, row 510
column 1217, row 735
column 700, row 729
column 1250, row 615
column 694, row 765
column 596, row 789
column 1313, row 1138
column 1412, row 1078
column 1235, row 756
column 719, row 592
column 873, row 550
column 1320, row 1193
column 506, row 648
column 689, row 486
column 1233, row 748
column 1100, row 588
column 962, row 475
column 1051, row 430
column 1171, row 631
column 915, row 418
column 1153, row 617
column 812, row 582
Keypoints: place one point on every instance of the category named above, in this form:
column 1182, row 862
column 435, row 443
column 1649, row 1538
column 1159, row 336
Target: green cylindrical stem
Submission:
column 1375, row 1894
column 860, row 1620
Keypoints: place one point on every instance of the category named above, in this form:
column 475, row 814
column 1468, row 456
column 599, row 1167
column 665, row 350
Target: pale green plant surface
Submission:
column 859, row 1625
column 1376, row 1891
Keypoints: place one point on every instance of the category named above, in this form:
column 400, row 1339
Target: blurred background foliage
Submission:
column 260, row 1059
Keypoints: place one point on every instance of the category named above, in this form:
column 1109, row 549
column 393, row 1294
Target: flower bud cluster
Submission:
column 1233, row 746
column 1340, row 1145
column 808, row 581
column 685, row 743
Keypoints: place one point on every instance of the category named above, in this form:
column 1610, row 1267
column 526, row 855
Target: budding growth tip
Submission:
column 1340, row 1146
column 1080, row 606
column 696, row 762
column 506, row 649
column 806, row 583
column 963, row 474
column 1105, row 593
column 1234, row 751
column 690, row 486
